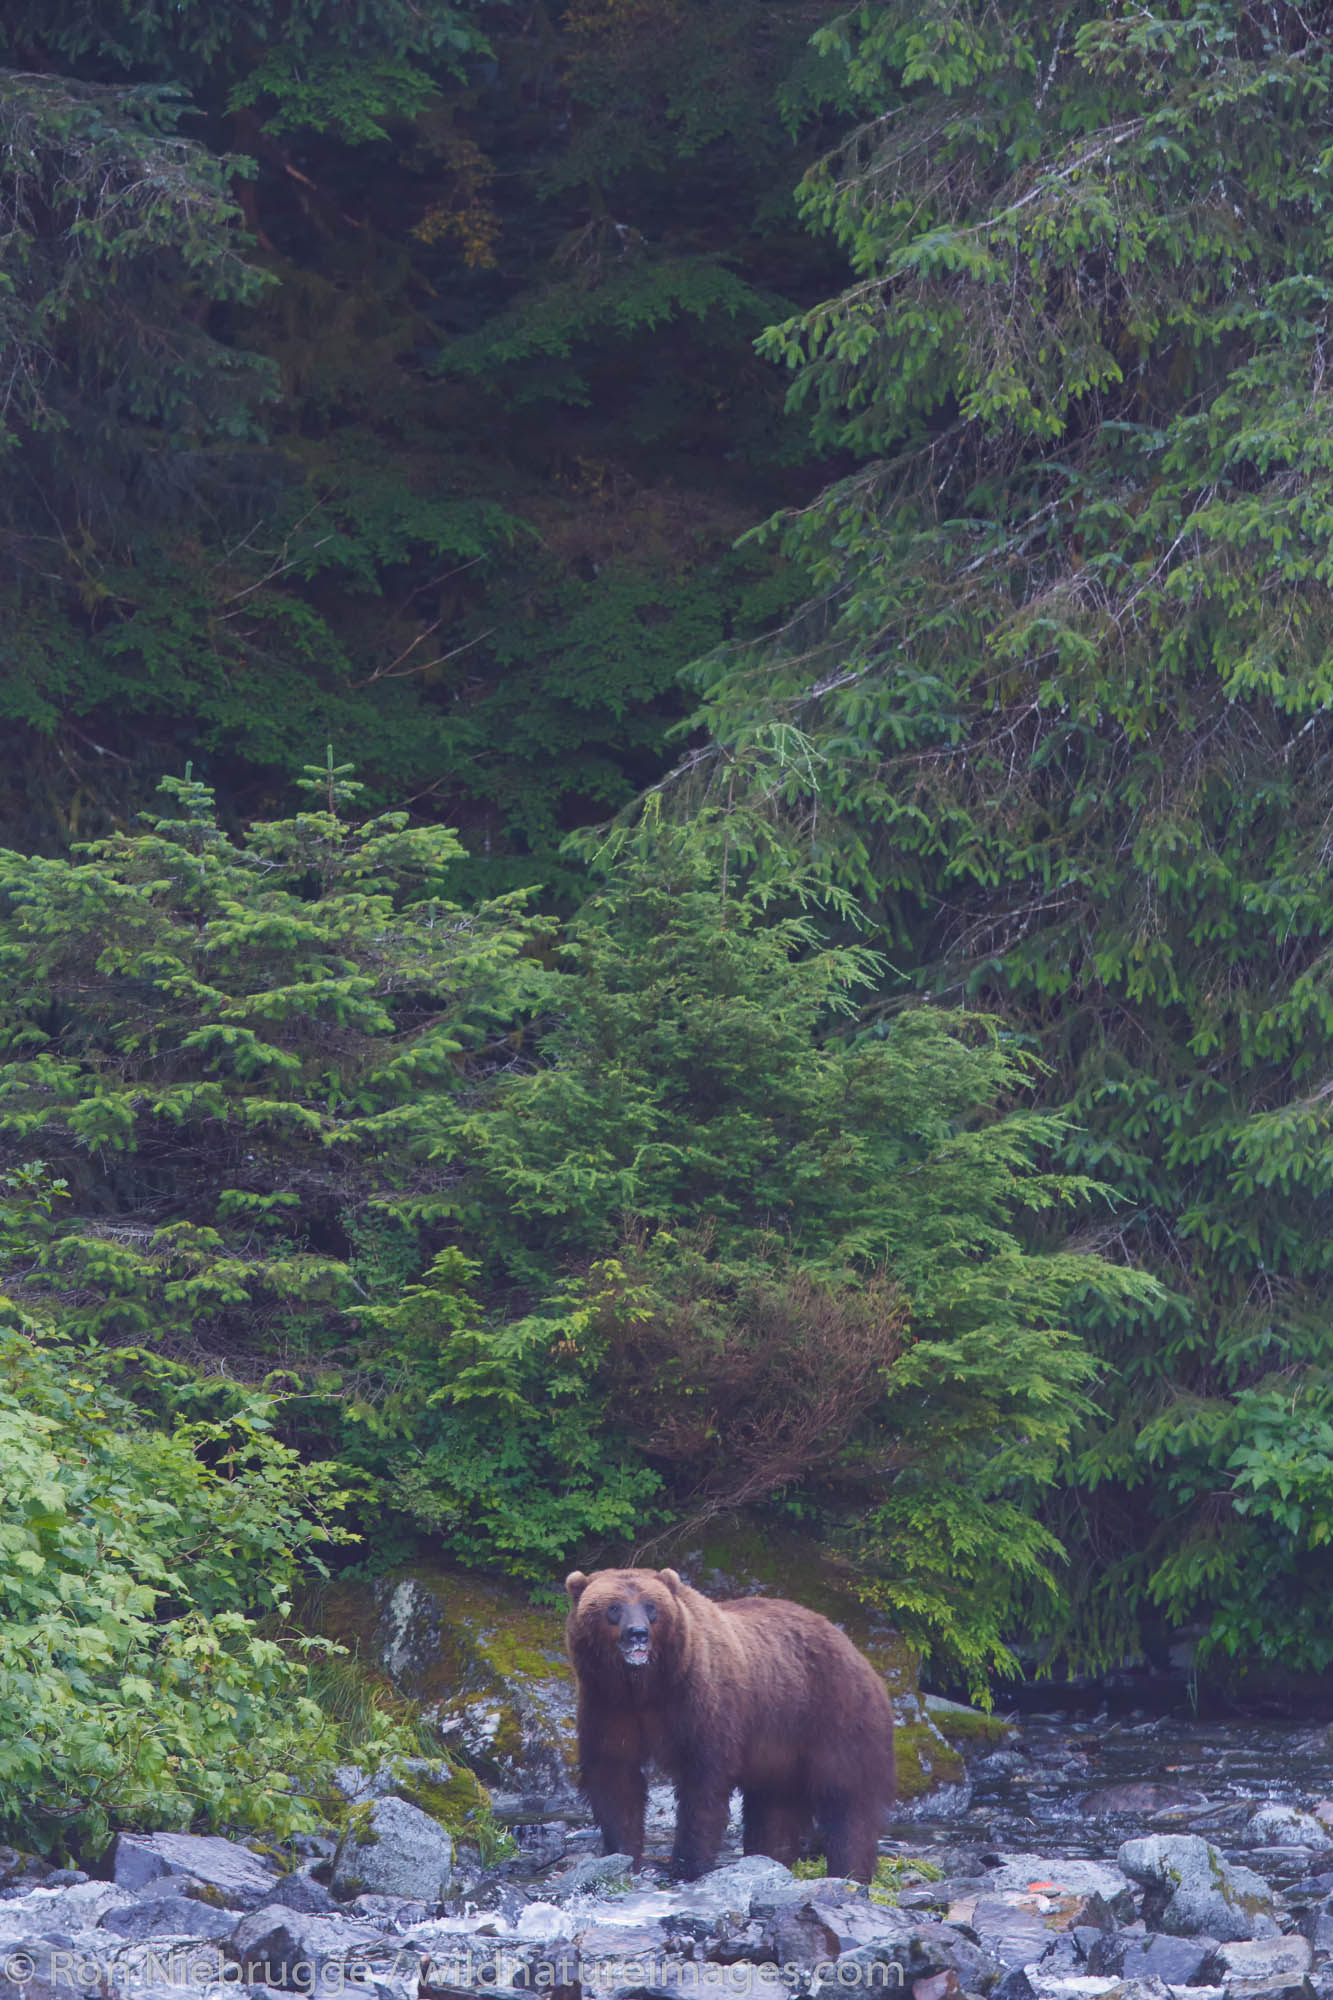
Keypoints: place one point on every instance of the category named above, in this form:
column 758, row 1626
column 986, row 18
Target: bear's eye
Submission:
column 613, row 1614
column 651, row 1610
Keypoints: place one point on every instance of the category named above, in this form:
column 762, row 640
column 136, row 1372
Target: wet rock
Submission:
column 600, row 1944
column 802, row 1936
column 391, row 1912
column 939, row 1986
column 1139, row 1799
column 393, row 1849
column 42, row 1911
column 866, row 1923
column 1266, row 1966
column 923, row 1953
column 1176, row 1960
column 300, row 1891
column 1284, row 1959
column 170, row 1916
column 1009, row 1931
column 1064, row 1877
column 272, row 1944
column 734, row 1888
column 242, row 1878
column 1192, row 1890
column 540, row 1843
column 1317, row 1926
column 594, row 1873
column 1015, row 1985
column 489, row 1668
column 1285, row 1826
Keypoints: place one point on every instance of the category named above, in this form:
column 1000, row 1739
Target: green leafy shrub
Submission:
column 134, row 1687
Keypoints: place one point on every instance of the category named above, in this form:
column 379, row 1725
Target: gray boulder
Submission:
column 1009, row 1932
column 393, row 1849
column 1265, row 1965
column 279, row 1947
column 392, row 1913
column 593, row 1874
column 40, row 1912
column 925, row 1952
column 734, row 1889
column 243, row 1879
column 170, row 1917
column 300, row 1891
column 1286, row 1826
column 1178, row 1961
column 1192, row 1890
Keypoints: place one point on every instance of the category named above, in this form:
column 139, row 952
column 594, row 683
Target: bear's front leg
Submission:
column 701, row 1822
column 618, row 1794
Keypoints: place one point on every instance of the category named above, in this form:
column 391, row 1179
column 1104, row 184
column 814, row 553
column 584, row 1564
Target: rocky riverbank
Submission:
column 1203, row 1872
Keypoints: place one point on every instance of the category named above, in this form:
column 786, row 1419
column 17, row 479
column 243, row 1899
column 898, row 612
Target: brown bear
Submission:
column 755, row 1693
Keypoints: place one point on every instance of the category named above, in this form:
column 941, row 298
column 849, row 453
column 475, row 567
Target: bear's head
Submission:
column 623, row 1621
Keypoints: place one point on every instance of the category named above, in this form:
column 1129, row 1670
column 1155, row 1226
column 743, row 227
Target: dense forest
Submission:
column 666, row 832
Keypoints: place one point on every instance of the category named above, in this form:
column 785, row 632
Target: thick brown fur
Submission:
column 755, row 1693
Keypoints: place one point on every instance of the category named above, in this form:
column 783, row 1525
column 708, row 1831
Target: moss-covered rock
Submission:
column 970, row 1727
column 924, row 1760
column 486, row 1664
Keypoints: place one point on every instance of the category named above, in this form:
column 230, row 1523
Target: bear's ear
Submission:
column 576, row 1583
column 671, row 1580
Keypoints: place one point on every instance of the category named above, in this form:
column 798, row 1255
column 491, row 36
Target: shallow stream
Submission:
column 1080, row 1786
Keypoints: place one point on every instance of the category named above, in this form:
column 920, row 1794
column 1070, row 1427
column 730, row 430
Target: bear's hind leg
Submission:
column 775, row 1826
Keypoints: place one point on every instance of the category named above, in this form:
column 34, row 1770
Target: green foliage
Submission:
column 133, row 1689
column 497, row 285
column 694, row 1078
column 117, row 232
column 494, row 1440
column 548, row 1247
column 1065, row 687
column 268, row 1018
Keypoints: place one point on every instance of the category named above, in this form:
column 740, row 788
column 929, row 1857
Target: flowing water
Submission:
column 1079, row 1787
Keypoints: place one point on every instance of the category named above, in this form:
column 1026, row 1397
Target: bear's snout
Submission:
column 635, row 1641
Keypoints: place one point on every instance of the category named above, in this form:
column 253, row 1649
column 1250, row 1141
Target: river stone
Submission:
column 392, row 1913
column 1140, row 1799
column 732, row 1890
column 39, row 1912
column 888, row 1967
column 1197, row 1891
column 1176, row 1960
column 1265, row 1965
column 593, row 1873
column 393, row 1849
column 242, row 1879
column 541, row 1843
column 300, row 1891
column 798, row 1937
column 1014, row 1986
column 1012, row 1932
column 1065, row 1875
column 170, row 1916
column 1285, row 1826
column 272, row 1943
column 1317, row 1925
